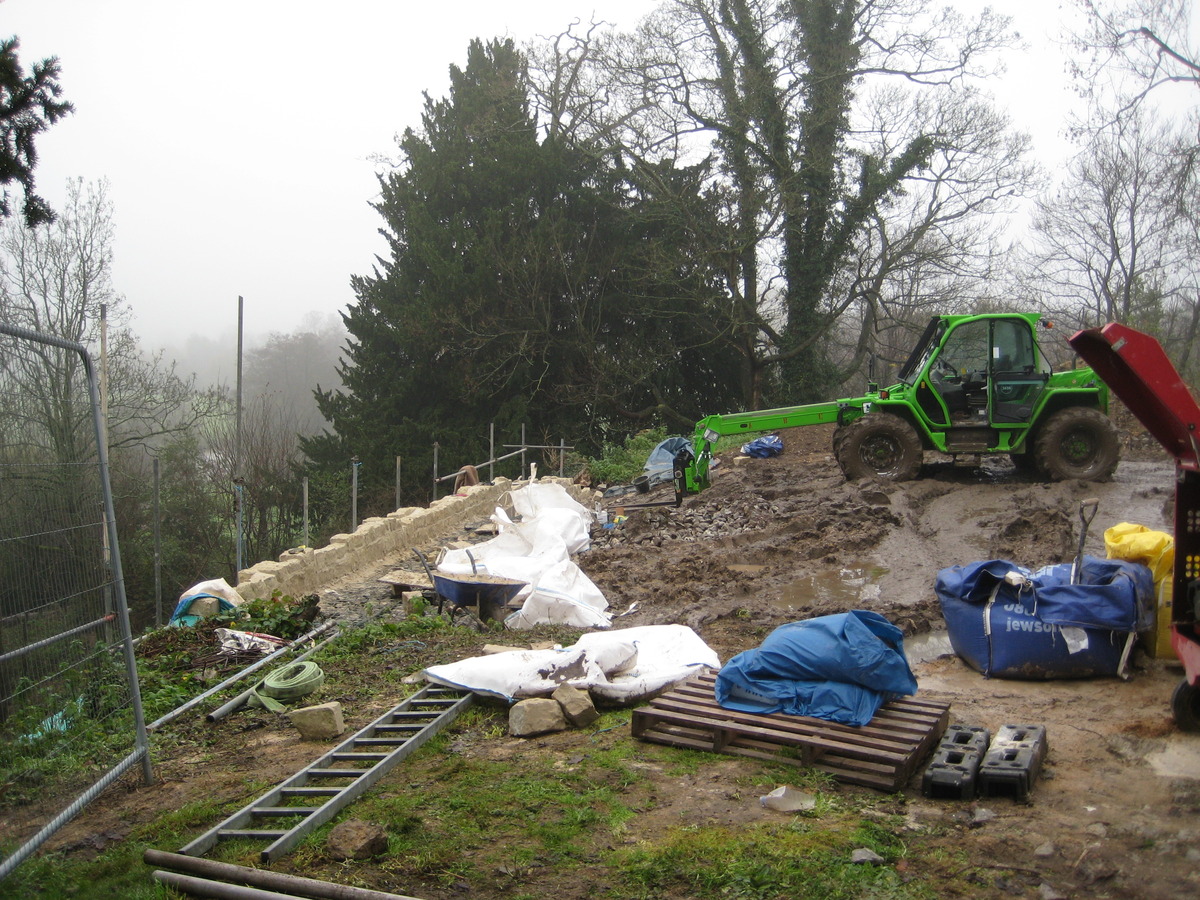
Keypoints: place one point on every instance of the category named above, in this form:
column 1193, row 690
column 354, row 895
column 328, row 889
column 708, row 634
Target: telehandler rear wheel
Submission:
column 1077, row 442
column 879, row 445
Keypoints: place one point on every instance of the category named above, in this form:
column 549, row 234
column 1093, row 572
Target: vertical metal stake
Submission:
column 522, row 449
column 492, row 452
column 562, row 455
column 397, row 483
column 353, row 494
column 157, row 550
column 436, row 445
column 304, row 503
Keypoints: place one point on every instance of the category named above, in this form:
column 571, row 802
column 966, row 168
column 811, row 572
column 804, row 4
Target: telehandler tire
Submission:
column 879, row 445
column 1077, row 442
column 1185, row 706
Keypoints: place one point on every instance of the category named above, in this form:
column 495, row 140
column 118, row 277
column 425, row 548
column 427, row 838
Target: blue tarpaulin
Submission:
column 767, row 445
column 181, row 615
column 841, row 667
column 1016, row 630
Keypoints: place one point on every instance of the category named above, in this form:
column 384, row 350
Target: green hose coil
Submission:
column 287, row 683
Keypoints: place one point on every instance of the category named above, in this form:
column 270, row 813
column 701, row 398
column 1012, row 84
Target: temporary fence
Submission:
column 518, row 450
column 69, row 700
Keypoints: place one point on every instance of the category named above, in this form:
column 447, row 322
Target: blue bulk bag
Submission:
column 1017, row 631
column 841, row 667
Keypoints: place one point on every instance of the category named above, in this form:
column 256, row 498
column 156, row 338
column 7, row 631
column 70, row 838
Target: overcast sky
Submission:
column 238, row 136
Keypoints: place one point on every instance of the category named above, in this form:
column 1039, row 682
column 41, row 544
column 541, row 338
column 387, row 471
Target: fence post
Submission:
column 397, row 483
column 522, row 449
column 492, row 452
column 157, row 551
column 354, row 464
column 436, row 445
column 304, row 504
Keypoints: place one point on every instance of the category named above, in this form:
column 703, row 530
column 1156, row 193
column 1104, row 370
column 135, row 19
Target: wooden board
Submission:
column 883, row 754
column 403, row 580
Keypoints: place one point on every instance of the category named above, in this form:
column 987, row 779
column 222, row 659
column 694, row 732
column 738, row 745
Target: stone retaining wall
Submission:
column 306, row 570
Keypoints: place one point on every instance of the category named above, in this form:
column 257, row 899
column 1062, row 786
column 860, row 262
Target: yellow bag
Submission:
column 1155, row 550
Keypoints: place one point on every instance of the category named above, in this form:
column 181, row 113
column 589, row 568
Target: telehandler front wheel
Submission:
column 1077, row 442
column 879, row 445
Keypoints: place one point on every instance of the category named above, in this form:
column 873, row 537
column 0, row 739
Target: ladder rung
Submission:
column 282, row 811
column 359, row 757
column 379, row 742
column 309, row 791
column 336, row 773
column 252, row 834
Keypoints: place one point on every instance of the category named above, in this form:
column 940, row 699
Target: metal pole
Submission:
column 436, row 445
column 305, row 503
column 353, row 493
column 491, row 452
column 238, row 545
column 157, row 549
column 240, row 538
column 562, row 455
column 522, row 449
column 397, row 482
column 262, row 878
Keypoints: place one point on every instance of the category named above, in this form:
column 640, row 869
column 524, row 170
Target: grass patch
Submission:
column 799, row 859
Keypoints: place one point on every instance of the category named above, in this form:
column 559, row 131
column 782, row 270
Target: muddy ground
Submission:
column 1116, row 811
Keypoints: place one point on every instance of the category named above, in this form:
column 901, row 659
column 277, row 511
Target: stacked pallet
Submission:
column 883, row 754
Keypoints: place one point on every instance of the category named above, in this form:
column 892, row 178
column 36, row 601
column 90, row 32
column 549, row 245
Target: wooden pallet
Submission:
column 883, row 754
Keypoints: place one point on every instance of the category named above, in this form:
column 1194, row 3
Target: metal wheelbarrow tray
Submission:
column 489, row 594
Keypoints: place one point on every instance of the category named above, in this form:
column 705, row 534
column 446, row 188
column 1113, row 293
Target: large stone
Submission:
column 540, row 715
column 576, row 705
column 320, row 722
column 356, row 839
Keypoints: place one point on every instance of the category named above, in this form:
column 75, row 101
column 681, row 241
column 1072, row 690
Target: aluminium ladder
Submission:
column 314, row 795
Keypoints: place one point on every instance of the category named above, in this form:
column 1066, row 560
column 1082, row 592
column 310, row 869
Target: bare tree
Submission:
column 57, row 279
column 1109, row 241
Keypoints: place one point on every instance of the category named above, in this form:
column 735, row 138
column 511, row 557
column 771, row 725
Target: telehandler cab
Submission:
column 974, row 385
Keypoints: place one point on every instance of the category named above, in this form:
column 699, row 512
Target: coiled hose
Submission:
column 287, row 683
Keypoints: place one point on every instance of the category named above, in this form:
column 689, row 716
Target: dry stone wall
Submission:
column 306, row 570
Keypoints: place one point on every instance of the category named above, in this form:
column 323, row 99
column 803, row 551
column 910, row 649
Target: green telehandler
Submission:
column 974, row 385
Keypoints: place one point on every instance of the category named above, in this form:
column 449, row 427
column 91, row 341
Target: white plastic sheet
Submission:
column 620, row 667
column 537, row 550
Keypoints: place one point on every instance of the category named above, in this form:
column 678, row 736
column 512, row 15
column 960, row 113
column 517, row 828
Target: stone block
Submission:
column 540, row 715
column 576, row 705
column 320, row 722
column 204, row 606
column 356, row 839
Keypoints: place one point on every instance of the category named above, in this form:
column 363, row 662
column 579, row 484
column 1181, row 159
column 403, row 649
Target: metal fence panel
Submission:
column 69, row 701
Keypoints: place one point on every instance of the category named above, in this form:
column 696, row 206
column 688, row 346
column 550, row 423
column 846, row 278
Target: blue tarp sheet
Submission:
column 181, row 615
column 841, row 667
column 767, row 445
column 1012, row 631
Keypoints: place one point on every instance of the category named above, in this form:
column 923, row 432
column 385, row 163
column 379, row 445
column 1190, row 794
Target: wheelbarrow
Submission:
column 488, row 594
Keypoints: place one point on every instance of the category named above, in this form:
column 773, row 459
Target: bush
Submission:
column 622, row 464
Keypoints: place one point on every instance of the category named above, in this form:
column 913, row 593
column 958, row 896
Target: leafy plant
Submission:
column 620, row 464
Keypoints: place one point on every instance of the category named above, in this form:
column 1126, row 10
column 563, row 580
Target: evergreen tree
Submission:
column 531, row 281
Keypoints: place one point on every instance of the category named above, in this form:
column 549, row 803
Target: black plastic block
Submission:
column 1013, row 761
column 952, row 773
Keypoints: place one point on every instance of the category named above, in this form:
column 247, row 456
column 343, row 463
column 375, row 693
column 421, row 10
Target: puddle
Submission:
column 848, row 586
column 927, row 646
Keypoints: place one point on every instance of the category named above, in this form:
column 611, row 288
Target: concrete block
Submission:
column 576, row 705
column 320, row 722
column 540, row 715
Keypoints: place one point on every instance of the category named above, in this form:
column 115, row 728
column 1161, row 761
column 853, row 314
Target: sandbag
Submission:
column 841, row 667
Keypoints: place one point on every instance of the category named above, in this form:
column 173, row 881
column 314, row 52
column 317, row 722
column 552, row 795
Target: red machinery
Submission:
column 1136, row 369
